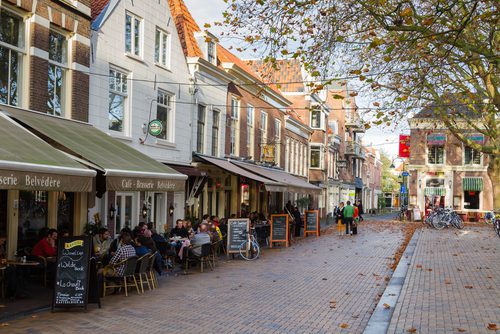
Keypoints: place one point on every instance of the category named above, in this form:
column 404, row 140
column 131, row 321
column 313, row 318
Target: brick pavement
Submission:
column 453, row 283
column 286, row 291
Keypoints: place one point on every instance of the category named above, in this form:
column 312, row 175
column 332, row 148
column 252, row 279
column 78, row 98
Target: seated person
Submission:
column 140, row 247
column 102, row 242
column 189, row 227
column 9, row 272
column 125, row 251
column 179, row 230
column 47, row 246
column 199, row 239
column 157, row 237
column 115, row 244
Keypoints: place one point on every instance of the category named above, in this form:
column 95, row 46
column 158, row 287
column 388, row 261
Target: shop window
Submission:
column 117, row 97
column 164, row 114
column 65, row 210
column 435, row 155
column 471, row 200
column 58, row 62
column 11, row 47
column 33, row 217
column 472, row 157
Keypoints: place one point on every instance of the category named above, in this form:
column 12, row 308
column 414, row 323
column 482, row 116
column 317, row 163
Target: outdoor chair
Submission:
column 151, row 275
column 122, row 281
column 141, row 271
column 204, row 258
column 42, row 266
column 167, row 252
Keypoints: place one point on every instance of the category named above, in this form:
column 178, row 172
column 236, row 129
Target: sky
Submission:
column 209, row 11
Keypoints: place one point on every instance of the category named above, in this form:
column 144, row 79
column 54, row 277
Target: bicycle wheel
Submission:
column 250, row 251
column 457, row 222
column 438, row 223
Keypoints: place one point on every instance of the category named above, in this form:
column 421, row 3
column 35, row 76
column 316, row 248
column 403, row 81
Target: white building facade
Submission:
column 139, row 74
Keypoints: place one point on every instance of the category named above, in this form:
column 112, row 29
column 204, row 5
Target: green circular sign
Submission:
column 155, row 127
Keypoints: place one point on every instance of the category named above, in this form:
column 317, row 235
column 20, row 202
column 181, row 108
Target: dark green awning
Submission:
column 124, row 167
column 29, row 163
column 435, row 191
column 472, row 184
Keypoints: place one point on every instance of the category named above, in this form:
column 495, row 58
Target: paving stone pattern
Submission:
column 286, row 291
column 453, row 284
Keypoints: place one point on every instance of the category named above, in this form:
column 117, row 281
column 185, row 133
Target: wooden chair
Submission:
column 151, row 275
column 122, row 281
column 142, row 271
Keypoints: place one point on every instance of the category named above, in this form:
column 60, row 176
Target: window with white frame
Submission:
column 472, row 156
column 164, row 106
column 133, row 34
column 263, row 126
column 200, row 132
column 162, row 48
column 316, row 156
column 11, row 52
column 215, row 132
column 287, row 155
column 235, row 108
column 58, row 62
column 316, row 118
column 118, row 94
column 435, row 155
column 277, row 140
column 250, row 130
column 211, row 53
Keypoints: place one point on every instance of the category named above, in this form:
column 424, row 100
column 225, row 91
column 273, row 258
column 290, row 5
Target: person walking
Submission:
column 348, row 216
column 360, row 210
column 298, row 221
column 339, row 216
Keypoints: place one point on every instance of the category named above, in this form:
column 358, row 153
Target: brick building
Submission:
column 444, row 172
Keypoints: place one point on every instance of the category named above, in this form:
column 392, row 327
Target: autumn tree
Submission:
column 408, row 54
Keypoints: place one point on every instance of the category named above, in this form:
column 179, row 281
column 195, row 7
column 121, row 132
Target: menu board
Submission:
column 237, row 231
column 279, row 229
column 72, row 273
column 311, row 222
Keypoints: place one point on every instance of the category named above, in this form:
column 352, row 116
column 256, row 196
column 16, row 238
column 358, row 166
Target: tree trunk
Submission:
column 494, row 173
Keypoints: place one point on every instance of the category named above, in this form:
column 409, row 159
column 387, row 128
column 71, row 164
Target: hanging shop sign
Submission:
column 268, row 152
column 155, row 127
column 404, row 146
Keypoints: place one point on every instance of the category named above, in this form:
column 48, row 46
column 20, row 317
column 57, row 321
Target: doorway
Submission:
column 125, row 211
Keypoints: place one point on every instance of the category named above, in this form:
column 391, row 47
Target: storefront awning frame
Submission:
column 472, row 184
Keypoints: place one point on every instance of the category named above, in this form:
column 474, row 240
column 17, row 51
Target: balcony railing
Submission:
column 354, row 121
column 354, row 149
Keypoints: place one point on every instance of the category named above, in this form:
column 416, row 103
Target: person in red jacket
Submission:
column 47, row 246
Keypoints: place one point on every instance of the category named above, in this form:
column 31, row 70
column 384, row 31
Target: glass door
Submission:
column 124, row 211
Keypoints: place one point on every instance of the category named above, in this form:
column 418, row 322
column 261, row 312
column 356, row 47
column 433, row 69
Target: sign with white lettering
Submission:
column 43, row 181
column 72, row 273
column 118, row 183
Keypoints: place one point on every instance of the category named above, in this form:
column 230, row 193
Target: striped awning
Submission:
column 472, row 184
column 435, row 191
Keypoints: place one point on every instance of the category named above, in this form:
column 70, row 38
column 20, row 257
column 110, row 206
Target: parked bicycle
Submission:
column 441, row 218
column 250, row 249
column 493, row 218
column 402, row 214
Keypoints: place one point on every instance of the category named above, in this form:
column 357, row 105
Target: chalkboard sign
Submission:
column 237, row 231
column 279, row 229
column 311, row 222
column 72, row 273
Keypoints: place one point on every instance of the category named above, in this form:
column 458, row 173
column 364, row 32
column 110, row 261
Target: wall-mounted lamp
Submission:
column 144, row 211
column 450, row 182
column 420, row 183
column 171, row 210
column 112, row 211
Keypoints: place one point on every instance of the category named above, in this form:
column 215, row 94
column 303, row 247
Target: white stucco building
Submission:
column 139, row 74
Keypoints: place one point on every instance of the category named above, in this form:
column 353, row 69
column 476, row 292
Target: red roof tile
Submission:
column 186, row 28
column 97, row 6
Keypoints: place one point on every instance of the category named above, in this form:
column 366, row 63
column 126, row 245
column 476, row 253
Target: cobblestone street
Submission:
column 453, row 283
column 316, row 286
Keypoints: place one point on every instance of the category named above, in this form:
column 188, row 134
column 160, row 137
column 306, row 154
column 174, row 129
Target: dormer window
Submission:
column 211, row 52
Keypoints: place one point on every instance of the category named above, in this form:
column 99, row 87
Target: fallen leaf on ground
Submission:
column 468, row 286
column 455, row 254
column 4, row 324
column 429, row 269
column 344, row 325
column 458, row 269
column 461, row 330
column 447, row 281
column 419, row 266
column 387, row 306
column 411, row 330
column 492, row 327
